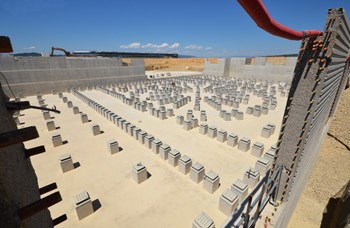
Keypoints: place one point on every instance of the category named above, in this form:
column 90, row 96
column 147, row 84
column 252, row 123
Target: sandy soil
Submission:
column 330, row 173
column 192, row 64
column 180, row 64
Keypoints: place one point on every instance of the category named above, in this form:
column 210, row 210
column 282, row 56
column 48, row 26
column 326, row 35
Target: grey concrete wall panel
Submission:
column 137, row 62
column 319, row 80
column 238, row 61
column 227, row 67
column 214, row 69
column 276, row 73
column 237, row 67
column 29, row 74
column 260, row 61
column 291, row 61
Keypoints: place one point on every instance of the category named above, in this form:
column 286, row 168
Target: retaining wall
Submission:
column 27, row 75
column 320, row 79
column 266, row 68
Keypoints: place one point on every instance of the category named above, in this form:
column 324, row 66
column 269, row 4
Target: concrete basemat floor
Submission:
column 168, row 198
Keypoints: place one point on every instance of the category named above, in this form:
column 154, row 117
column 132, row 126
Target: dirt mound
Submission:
column 331, row 171
column 337, row 212
column 176, row 64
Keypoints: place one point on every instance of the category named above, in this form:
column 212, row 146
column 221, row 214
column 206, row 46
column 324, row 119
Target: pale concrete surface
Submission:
column 168, row 198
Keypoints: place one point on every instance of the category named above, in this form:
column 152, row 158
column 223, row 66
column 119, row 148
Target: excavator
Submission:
column 67, row 53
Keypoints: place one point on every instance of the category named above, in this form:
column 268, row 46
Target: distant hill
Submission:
column 187, row 56
column 283, row 55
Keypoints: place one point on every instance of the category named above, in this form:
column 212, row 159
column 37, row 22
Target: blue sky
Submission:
column 210, row 28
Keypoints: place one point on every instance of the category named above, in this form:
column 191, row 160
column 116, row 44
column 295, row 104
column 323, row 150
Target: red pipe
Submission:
column 258, row 12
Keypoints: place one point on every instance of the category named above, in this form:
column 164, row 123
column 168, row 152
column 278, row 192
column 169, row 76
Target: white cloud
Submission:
column 133, row 45
column 194, row 47
column 163, row 45
column 175, row 45
column 30, row 48
column 197, row 47
column 151, row 46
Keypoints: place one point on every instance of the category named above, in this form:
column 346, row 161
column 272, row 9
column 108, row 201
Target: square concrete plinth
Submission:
column 174, row 157
column 126, row 126
column 57, row 140
column 227, row 116
column 234, row 112
column 148, row 141
column 113, row 146
column 84, row 118
column 232, row 139
column 66, row 162
column 46, row 115
column 141, row 137
column 266, row 132
column 228, row 202
column 194, row 122
column 212, row 132
column 187, row 125
column 156, row 145
column 117, row 120
column 270, row 155
column 240, row 188
column 70, row 104
column 50, row 125
column 139, row 173
column 135, row 133
column 75, row 110
column 251, row 177
column 203, row 129
column 222, row 136
column 244, row 144
column 272, row 126
column 257, row 149
column 203, row 117
column 239, row 115
column 121, row 123
column 264, row 110
column 83, row 205
column 203, row 221
column 162, row 115
column 197, row 172
column 163, row 151
column 263, row 165
column 211, row 181
column 179, row 120
column 189, row 115
column 170, row 112
column 95, row 129
column 185, row 164
column 131, row 129
column 250, row 110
